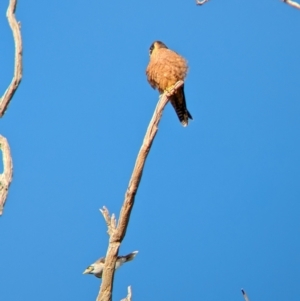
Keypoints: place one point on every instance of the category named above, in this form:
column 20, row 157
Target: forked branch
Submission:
column 110, row 221
column 6, row 176
column 201, row 2
column 118, row 232
column 15, row 27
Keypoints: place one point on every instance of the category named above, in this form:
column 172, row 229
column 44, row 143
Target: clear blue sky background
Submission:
column 218, row 205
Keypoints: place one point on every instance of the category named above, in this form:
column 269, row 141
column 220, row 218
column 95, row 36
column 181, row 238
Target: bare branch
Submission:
column 116, row 236
column 15, row 27
column 292, row 3
column 245, row 295
column 128, row 298
column 6, row 176
column 140, row 162
column 201, row 2
column 110, row 221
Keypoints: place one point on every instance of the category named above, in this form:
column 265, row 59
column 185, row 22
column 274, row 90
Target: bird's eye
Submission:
column 151, row 49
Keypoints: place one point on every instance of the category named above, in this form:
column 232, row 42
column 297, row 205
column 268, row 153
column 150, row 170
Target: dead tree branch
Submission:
column 198, row 2
column 118, row 232
column 292, row 3
column 15, row 27
column 6, row 176
column 110, row 221
column 245, row 295
column 128, row 298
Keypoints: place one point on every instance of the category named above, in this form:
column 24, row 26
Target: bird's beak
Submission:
column 88, row 270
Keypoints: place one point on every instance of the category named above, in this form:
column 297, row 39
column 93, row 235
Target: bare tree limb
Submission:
column 128, row 298
column 245, row 295
column 6, row 176
column 201, row 2
column 117, row 233
column 292, row 3
column 15, row 27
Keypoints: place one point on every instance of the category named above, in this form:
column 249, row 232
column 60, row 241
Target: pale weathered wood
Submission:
column 128, row 298
column 15, row 27
column 118, row 232
column 6, row 176
column 201, row 2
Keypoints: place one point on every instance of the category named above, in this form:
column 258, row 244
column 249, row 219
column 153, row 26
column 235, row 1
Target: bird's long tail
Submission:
column 130, row 256
column 178, row 102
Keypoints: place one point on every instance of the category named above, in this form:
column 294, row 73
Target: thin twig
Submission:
column 6, row 176
column 245, row 295
column 198, row 2
column 128, row 298
column 15, row 27
column 110, row 221
column 116, row 236
column 292, row 3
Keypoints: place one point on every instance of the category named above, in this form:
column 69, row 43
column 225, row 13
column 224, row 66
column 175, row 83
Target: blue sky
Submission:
column 218, row 205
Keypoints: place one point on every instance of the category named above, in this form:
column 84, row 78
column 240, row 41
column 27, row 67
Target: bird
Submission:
column 165, row 68
column 96, row 268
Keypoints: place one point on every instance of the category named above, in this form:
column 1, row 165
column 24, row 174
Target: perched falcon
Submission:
column 165, row 68
column 96, row 268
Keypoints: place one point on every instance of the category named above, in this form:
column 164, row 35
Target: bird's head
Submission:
column 89, row 270
column 156, row 45
column 95, row 268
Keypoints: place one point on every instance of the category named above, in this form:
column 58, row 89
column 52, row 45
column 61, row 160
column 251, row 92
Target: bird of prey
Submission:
column 166, row 67
column 96, row 268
